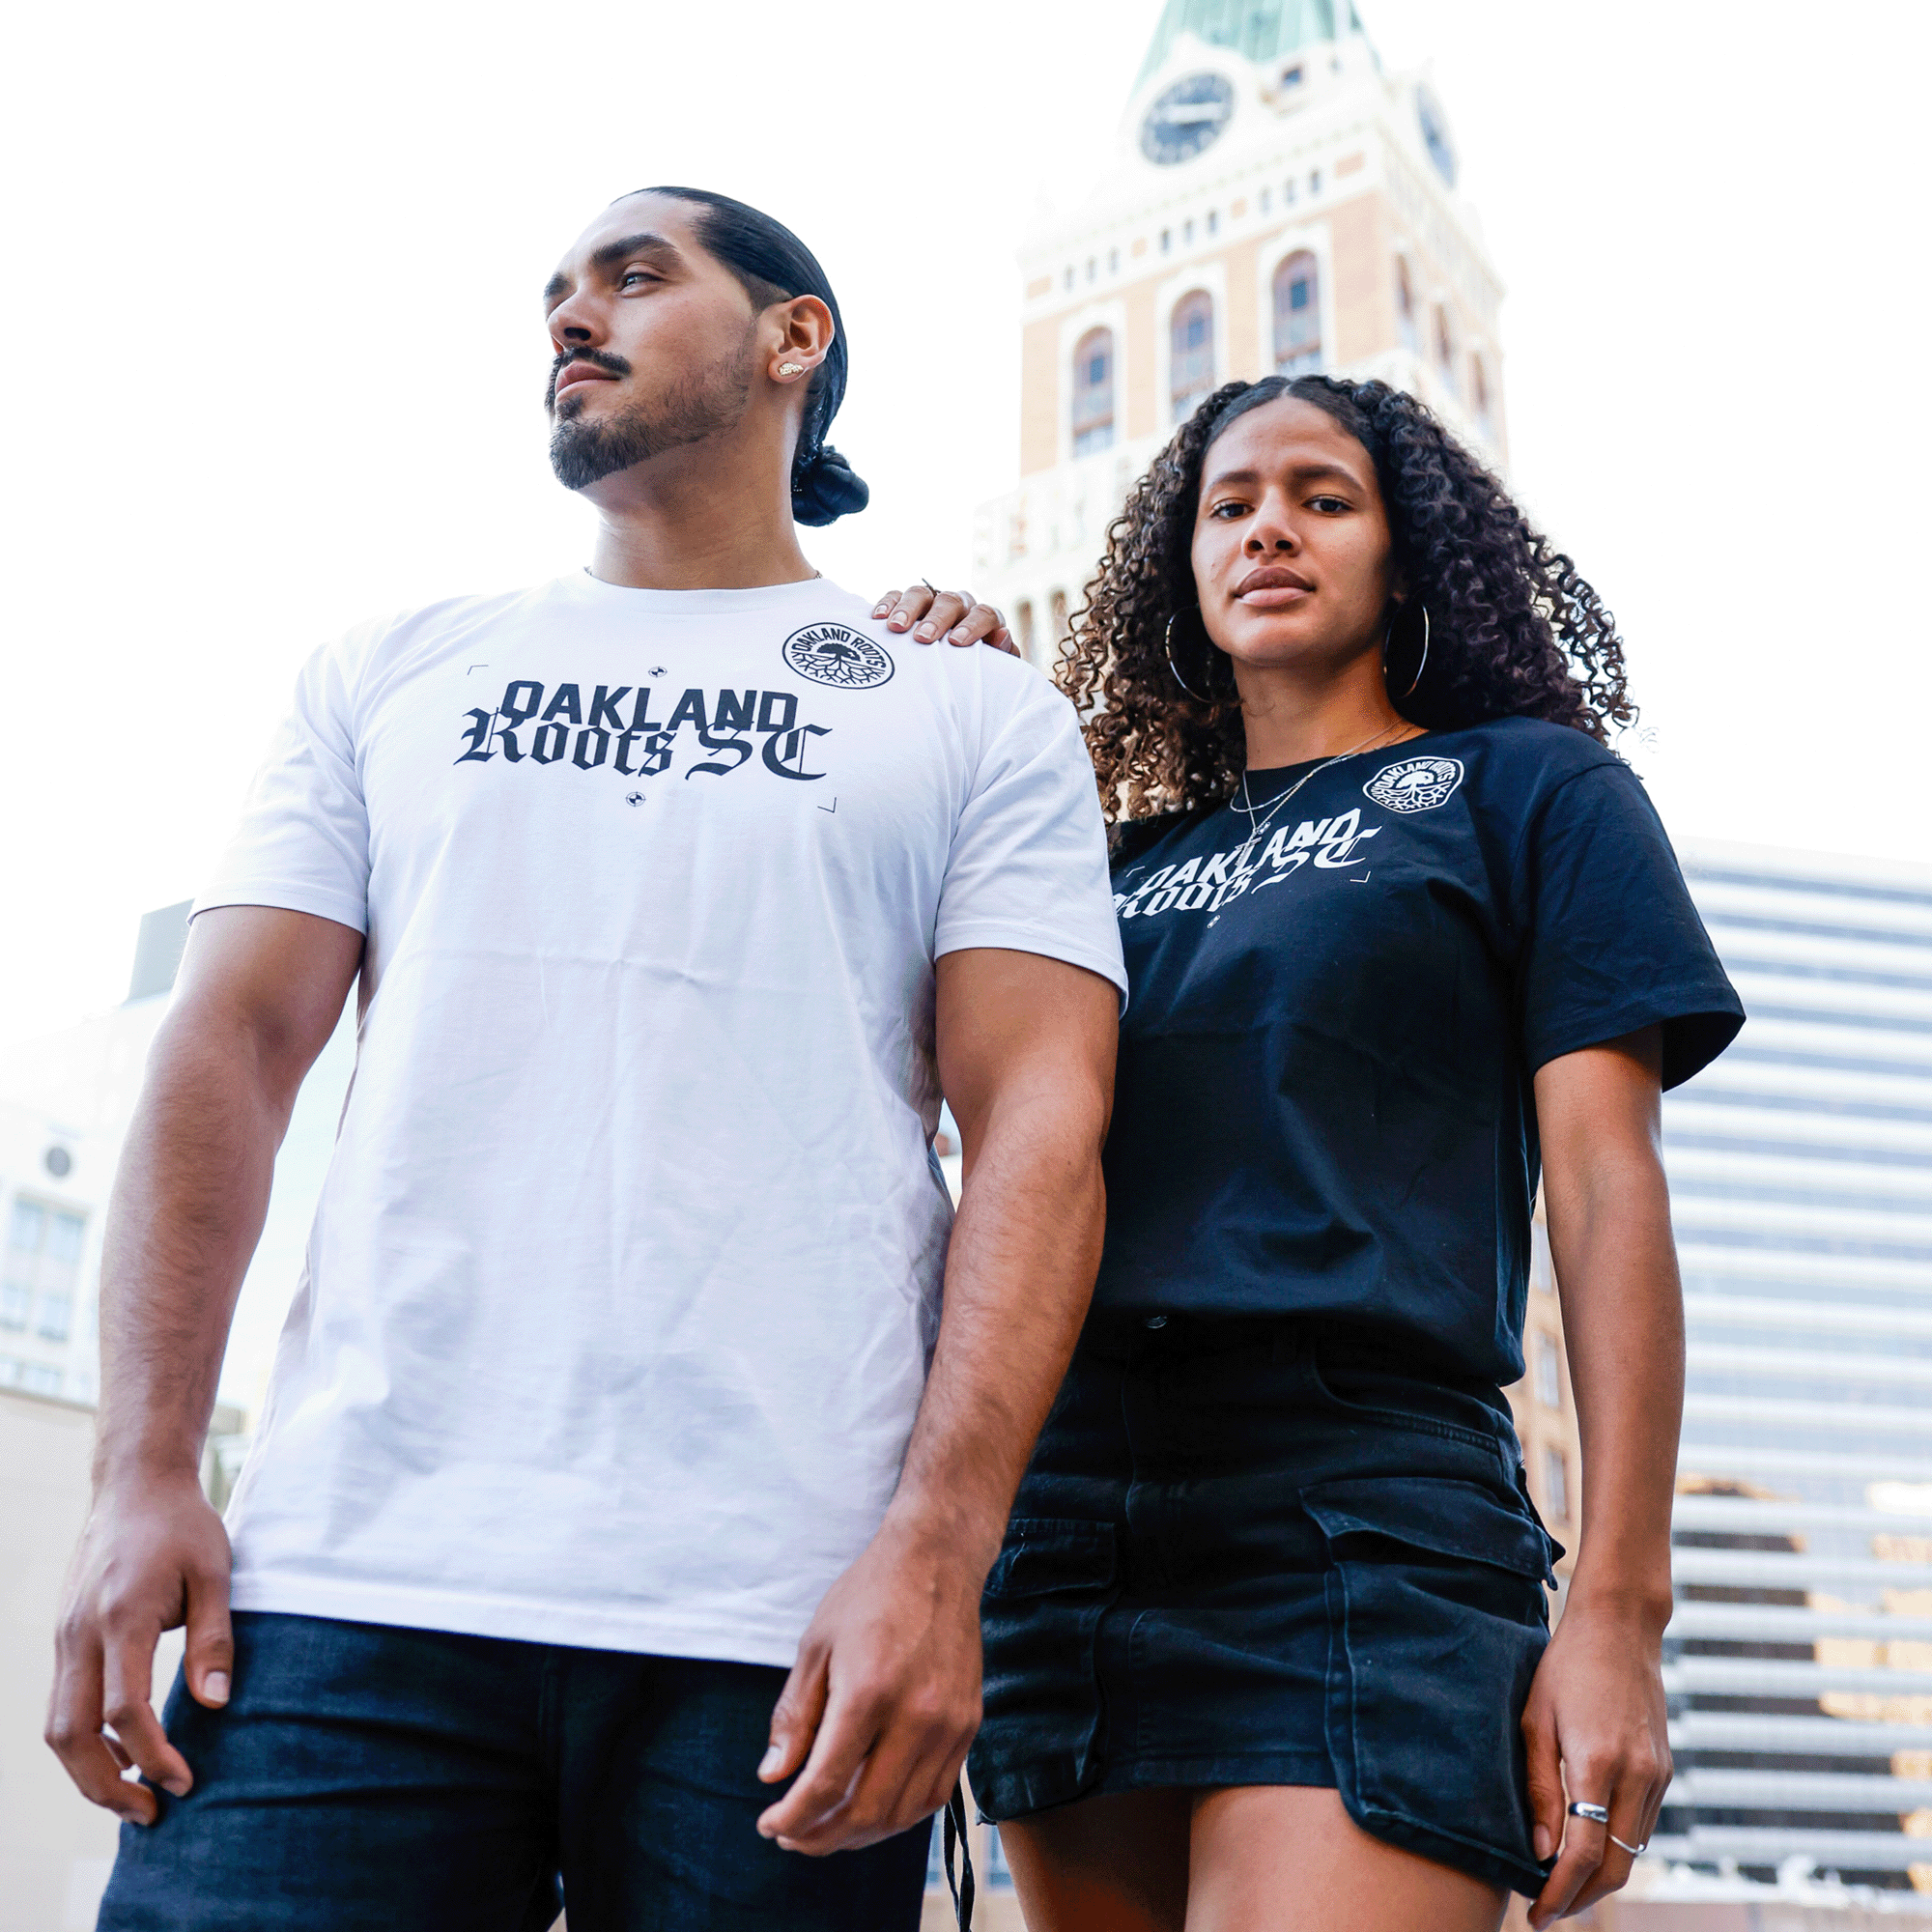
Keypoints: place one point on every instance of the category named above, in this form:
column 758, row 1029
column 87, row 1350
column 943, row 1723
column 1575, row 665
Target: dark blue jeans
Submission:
column 364, row 1778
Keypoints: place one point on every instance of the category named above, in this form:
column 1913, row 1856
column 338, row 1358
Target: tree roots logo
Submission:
column 1416, row 784
column 831, row 654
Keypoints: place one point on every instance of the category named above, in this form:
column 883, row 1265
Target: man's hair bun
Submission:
column 827, row 488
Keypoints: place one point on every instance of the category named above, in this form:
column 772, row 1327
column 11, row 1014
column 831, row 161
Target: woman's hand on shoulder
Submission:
column 1597, row 1733
column 955, row 613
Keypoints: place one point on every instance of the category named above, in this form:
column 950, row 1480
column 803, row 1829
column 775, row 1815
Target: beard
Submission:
column 707, row 404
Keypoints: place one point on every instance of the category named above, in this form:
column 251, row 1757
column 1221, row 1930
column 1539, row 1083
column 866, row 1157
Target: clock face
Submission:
column 1186, row 118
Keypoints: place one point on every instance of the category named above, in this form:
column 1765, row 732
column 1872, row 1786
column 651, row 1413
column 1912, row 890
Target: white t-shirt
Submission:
column 622, row 1289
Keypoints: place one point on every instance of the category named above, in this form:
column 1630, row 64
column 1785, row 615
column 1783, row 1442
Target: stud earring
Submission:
column 792, row 368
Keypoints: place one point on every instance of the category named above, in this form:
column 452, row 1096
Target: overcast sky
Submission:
column 275, row 358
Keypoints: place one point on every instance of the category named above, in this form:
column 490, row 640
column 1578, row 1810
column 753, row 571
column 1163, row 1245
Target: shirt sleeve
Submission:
column 1027, row 866
column 1612, row 940
column 303, row 841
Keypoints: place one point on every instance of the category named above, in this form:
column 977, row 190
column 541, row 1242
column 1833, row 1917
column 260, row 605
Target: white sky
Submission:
column 276, row 360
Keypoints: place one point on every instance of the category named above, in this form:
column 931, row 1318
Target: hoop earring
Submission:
column 1174, row 667
column 1422, row 663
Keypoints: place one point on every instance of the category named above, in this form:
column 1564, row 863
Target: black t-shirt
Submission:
column 1324, row 1104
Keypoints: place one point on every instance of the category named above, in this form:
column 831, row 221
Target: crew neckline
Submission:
column 702, row 603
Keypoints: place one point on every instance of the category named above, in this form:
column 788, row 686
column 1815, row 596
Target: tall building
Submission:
column 1276, row 201
column 1800, row 1659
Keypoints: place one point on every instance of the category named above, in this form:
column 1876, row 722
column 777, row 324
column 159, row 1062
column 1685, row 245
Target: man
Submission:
column 603, row 1488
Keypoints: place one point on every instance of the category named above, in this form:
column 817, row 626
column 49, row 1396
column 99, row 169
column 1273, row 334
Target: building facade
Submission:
column 1800, row 1657
column 1276, row 202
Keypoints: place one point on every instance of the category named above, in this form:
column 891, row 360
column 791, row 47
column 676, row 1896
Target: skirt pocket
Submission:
column 1438, row 1621
column 1040, row 1743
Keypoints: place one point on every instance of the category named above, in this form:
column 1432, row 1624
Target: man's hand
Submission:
column 154, row 1556
column 883, row 1700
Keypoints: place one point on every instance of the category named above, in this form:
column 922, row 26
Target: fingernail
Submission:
column 927, row 631
column 956, row 637
column 879, row 609
column 215, row 1686
column 176, row 1787
column 771, row 1761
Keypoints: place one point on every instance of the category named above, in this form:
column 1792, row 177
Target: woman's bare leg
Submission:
column 1117, row 1863
column 1287, row 1857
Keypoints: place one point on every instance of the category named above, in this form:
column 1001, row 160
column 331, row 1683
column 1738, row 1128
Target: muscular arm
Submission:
column 885, row 1696
column 1596, row 1707
column 260, row 994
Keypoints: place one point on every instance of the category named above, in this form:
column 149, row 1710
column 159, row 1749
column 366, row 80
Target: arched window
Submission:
column 1297, row 315
column 1191, row 359
column 1404, row 309
column 1479, row 396
column 1445, row 352
column 1093, row 393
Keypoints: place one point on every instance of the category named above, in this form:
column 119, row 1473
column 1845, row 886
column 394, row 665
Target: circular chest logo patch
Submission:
column 1416, row 784
column 831, row 654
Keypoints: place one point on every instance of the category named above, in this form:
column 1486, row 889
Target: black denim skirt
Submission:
column 1252, row 1553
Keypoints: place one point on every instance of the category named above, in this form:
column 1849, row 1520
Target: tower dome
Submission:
column 1262, row 30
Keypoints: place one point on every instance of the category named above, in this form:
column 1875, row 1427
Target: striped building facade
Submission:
column 1800, row 1657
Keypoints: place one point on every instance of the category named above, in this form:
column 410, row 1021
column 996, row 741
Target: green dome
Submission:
column 1263, row 30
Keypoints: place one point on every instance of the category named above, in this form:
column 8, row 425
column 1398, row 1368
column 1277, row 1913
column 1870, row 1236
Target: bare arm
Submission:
column 1597, row 1706
column 885, row 1696
column 260, row 993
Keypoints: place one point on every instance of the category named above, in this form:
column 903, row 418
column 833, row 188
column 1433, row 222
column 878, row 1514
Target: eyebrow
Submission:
column 1300, row 471
column 645, row 243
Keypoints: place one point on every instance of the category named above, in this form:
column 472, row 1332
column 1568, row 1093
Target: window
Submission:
column 1093, row 393
column 1023, row 624
column 1288, row 193
column 1404, row 309
column 1187, row 233
column 1548, row 1374
column 17, row 1303
column 999, row 1874
column 63, row 1233
column 1063, row 628
column 40, row 1379
column 1479, row 396
column 1556, row 1484
column 1192, row 358
column 1070, row 277
column 1291, row 77
column 24, row 1231
column 1267, row 199
column 1297, row 315
column 1314, row 180
column 1113, row 261
column 56, row 1316
column 1092, row 268
column 1214, row 221
column 1445, row 351
column 1166, row 241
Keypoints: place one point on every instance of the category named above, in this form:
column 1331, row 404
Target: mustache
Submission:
column 598, row 358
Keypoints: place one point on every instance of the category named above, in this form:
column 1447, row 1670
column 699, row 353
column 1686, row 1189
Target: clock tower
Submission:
column 1276, row 200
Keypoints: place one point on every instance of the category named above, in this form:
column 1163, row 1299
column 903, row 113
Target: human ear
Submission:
column 802, row 337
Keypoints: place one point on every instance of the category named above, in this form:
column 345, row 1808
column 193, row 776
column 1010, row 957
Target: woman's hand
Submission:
column 1597, row 1733
column 956, row 612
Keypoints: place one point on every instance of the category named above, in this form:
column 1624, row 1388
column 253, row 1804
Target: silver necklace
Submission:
column 1246, row 805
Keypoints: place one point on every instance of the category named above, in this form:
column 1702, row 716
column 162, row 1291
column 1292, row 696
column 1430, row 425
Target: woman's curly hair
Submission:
column 1514, row 631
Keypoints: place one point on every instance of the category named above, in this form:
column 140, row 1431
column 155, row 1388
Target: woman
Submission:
column 1268, row 1645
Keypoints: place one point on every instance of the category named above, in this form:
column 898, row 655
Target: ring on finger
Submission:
column 1635, row 1851
column 1596, row 1814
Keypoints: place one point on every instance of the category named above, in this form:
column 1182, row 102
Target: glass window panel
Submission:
column 56, row 1316
column 1191, row 357
column 1093, row 393
column 26, row 1226
column 40, row 1378
column 16, row 1302
column 1297, row 315
column 64, row 1236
